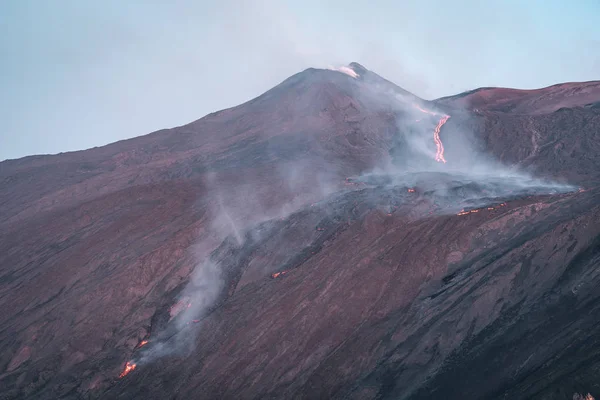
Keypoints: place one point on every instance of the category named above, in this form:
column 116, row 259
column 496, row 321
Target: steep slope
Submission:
column 387, row 293
column 313, row 115
column 394, row 306
column 96, row 243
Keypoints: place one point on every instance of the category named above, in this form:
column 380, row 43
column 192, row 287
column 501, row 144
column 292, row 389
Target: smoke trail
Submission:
column 236, row 211
column 223, row 214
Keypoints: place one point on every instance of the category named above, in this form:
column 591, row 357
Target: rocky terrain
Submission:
column 307, row 244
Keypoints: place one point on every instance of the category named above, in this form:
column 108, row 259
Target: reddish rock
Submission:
column 97, row 248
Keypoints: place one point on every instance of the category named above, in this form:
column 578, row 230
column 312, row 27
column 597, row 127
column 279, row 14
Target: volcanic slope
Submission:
column 387, row 293
column 552, row 131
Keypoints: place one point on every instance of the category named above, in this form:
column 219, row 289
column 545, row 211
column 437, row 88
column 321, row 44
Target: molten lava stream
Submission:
column 278, row 274
column 439, row 155
column 463, row 212
column 130, row 366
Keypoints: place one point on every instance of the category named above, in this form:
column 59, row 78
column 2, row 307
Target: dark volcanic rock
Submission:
column 384, row 291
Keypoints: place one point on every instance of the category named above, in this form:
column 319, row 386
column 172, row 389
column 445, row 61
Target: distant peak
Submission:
column 356, row 67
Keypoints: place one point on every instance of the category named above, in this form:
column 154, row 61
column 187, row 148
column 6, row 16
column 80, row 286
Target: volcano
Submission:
column 310, row 244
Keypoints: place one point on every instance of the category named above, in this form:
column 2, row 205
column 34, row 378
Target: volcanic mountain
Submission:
column 313, row 243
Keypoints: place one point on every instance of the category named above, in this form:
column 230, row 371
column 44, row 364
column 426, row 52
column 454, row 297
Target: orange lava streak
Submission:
column 278, row 274
column 128, row 368
column 143, row 343
column 463, row 212
column 425, row 111
column 439, row 155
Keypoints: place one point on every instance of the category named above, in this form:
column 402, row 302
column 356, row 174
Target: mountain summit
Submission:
column 335, row 237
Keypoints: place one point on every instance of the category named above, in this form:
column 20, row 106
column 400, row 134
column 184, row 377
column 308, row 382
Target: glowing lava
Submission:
column 278, row 274
column 411, row 190
column 143, row 343
column 130, row 366
column 424, row 110
column 439, row 154
column 463, row 212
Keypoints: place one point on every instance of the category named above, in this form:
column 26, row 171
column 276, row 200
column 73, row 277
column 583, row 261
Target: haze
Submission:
column 80, row 74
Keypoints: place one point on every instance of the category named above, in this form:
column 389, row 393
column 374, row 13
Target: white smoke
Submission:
column 235, row 209
column 225, row 223
column 202, row 291
column 345, row 70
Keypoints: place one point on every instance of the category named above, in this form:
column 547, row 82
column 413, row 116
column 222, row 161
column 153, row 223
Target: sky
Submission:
column 78, row 74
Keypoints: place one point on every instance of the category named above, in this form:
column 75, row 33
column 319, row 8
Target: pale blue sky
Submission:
column 76, row 74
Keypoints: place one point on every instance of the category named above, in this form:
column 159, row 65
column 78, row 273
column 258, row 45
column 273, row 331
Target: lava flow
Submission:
column 439, row 154
column 278, row 274
column 463, row 212
column 130, row 366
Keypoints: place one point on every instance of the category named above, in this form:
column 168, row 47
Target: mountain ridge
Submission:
column 294, row 78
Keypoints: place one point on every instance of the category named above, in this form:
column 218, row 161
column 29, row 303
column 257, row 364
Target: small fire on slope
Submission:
column 578, row 396
column 130, row 366
column 278, row 274
column 463, row 212
column 178, row 307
